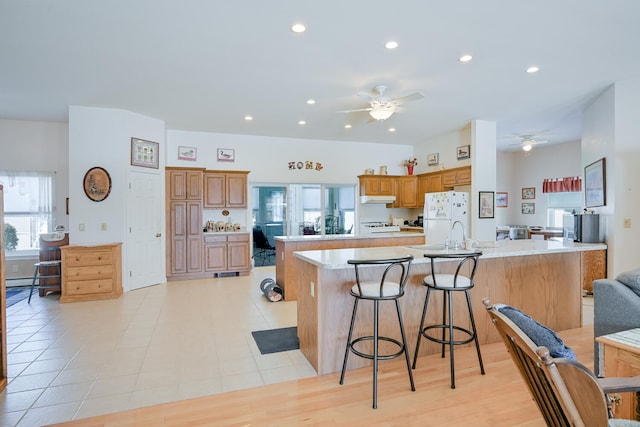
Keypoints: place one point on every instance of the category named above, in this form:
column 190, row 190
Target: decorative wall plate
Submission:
column 97, row 184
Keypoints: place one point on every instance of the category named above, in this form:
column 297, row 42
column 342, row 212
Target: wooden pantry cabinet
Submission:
column 225, row 189
column 184, row 222
column 91, row 272
column 227, row 253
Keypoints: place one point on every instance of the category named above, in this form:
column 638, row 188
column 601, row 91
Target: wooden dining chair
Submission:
column 566, row 392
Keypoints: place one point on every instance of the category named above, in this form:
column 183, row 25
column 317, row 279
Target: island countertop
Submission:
column 543, row 278
column 328, row 237
column 337, row 258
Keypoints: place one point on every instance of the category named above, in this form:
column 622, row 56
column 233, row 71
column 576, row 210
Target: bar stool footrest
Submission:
column 380, row 357
column 446, row 327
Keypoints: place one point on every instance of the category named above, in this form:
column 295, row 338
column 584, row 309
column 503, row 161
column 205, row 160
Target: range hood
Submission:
column 369, row 200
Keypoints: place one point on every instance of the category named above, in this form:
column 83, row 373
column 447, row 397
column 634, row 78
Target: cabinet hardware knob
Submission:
column 158, row 234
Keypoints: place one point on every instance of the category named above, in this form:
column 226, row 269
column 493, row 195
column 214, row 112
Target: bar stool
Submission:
column 449, row 283
column 45, row 273
column 384, row 289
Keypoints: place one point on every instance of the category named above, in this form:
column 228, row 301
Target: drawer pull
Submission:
column 99, row 258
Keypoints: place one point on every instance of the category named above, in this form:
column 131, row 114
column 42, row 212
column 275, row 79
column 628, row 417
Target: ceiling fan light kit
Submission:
column 381, row 114
column 382, row 107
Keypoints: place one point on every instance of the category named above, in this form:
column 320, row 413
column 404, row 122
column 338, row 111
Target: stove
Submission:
column 378, row 227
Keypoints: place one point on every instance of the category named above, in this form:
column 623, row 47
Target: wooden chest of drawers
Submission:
column 91, row 272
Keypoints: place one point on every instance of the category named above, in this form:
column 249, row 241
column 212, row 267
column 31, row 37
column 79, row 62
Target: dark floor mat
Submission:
column 276, row 340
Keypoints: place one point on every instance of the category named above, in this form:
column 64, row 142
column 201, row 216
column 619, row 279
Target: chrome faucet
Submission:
column 455, row 243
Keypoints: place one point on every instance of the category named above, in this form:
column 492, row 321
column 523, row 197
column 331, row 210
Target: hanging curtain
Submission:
column 562, row 185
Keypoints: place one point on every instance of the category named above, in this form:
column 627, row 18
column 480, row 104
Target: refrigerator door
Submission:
column 437, row 205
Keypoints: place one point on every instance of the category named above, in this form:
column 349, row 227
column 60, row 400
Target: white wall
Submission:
column 38, row 146
column 610, row 130
column 445, row 146
column 520, row 169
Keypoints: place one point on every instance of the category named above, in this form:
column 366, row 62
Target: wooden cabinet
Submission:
column 406, row 192
column 227, row 253
column 185, row 184
column 225, row 189
column 91, row 272
column 457, row 176
column 185, row 231
column 594, row 266
column 428, row 183
column 3, row 303
column 376, row 185
column 184, row 222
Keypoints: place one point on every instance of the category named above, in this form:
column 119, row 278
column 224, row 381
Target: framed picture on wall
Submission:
column 432, row 159
column 529, row 193
column 226, row 155
column 528, row 208
column 463, row 152
column 594, row 184
column 144, row 153
column 486, row 204
column 502, row 200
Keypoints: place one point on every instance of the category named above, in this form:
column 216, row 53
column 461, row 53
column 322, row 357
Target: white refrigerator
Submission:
column 441, row 211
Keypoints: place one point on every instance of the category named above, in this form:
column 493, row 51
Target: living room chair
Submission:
column 566, row 392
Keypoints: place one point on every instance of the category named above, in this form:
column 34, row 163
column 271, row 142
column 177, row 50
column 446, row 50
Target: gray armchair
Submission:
column 616, row 308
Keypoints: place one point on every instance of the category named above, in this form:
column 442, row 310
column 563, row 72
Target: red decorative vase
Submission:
column 410, row 170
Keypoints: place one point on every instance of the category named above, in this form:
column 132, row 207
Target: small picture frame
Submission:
column 502, row 200
column 486, row 204
column 528, row 193
column 528, row 208
column 463, row 152
column 187, row 153
column 226, row 155
column 594, row 184
column 433, row 159
column 144, row 153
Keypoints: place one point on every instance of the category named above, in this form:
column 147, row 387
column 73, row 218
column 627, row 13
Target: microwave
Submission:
column 585, row 229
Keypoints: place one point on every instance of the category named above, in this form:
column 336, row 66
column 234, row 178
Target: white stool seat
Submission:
column 448, row 281
column 372, row 289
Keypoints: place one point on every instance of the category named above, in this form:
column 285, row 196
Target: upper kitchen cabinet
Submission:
column 406, row 192
column 428, row 183
column 376, row 185
column 457, row 176
column 225, row 189
column 185, row 184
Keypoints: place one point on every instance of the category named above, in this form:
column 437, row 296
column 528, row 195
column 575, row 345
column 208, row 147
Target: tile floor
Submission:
column 153, row 345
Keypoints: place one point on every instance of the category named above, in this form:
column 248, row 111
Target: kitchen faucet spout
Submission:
column 461, row 227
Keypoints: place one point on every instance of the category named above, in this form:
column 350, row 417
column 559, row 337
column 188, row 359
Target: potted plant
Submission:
column 410, row 164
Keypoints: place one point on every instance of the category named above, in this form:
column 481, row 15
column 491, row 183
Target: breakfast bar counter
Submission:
column 541, row 277
column 286, row 274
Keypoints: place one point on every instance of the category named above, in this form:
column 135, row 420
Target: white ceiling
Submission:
column 203, row 65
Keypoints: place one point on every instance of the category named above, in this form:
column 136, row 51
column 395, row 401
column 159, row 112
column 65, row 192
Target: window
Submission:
column 561, row 204
column 28, row 206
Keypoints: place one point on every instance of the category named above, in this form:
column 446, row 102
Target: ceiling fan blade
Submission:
column 409, row 98
column 354, row 111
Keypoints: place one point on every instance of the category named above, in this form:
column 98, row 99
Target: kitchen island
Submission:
column 541, row 277
column 286, row 274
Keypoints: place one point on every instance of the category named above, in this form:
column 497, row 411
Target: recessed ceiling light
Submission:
column 533, row 69
column 465, row 58
column 391, row 44
column 392, row 129
column 298, row 28
column 302, row 122
column 248, row 118
column 347, row 126
column 311, row 101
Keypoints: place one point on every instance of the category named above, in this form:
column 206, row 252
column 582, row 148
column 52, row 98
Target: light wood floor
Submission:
column 496, row 399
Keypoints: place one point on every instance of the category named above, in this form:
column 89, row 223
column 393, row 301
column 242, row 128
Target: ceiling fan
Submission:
column 528, row 141
column 382, row 107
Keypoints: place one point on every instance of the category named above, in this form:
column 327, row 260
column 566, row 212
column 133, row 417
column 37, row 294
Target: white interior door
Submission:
column 144, row 260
